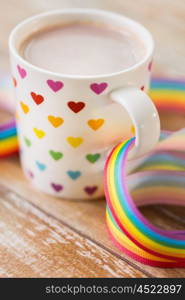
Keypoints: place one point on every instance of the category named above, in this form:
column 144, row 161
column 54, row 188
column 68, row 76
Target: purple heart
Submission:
column 22, row 72
column 55, row 85
column 150, row 66
column 98, row 88
column 57, row 187
column 90, row 189
column 30, row 173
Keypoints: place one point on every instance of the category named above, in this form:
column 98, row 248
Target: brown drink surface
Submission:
column 83, row 49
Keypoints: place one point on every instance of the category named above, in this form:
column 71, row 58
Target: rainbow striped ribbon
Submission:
column 8, row 133
column 8, row 139
column 160, row 178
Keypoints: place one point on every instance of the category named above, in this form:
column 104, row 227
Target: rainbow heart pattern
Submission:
column 59, row 125
column 55, row 155
column 27, row 141
column 22, row 72
column 74, row 174
column 90, row 190
column 39, row 133
column 92, row 158
column 40, row 166
column 38, row 99
column 24, row 107
column 74, row 141
column 98, row 88
column 56, row 187
column 95, row 124
column 54, row 122
column 76, row 107
column 55, row 86
column 14, row 81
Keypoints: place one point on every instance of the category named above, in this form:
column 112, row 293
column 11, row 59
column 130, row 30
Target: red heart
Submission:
column 76, row 106
column 37, row 98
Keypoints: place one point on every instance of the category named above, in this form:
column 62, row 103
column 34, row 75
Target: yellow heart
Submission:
column 96, row 124
column 74, row 142
column 17, row 117
column 24, row 107
column 133, row 129
column 55, row 121
column 39, row 133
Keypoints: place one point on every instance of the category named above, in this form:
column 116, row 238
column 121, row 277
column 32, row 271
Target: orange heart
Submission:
column 14, row 82
column 55, row 121
column 24, row 107
column 39, row 133
column 96, row 124
column 74, row 141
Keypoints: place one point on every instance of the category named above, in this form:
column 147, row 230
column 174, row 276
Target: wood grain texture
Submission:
column 42, row 236
column 87, row 218
column 33, row 244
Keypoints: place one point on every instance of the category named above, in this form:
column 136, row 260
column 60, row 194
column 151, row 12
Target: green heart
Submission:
column 27, row 141
column 56, row 155
column 92, row 158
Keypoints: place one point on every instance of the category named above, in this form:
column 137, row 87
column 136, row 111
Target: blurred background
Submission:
column 164, row 18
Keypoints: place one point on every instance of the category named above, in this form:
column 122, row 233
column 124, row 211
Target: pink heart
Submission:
column 90, row 189
column 30, row 173
column 22, row 72
column 98, row 88
column 57, row 187
column 55, row 85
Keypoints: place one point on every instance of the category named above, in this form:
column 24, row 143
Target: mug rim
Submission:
column 129, row 21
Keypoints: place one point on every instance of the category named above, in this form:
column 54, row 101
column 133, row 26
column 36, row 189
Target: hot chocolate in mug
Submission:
column 68, row 123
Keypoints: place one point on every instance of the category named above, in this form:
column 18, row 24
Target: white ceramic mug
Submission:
column 67, row 124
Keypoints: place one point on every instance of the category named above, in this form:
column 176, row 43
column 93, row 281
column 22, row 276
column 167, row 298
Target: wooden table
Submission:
column 41, row 236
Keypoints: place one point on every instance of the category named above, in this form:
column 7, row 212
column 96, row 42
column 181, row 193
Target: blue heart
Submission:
column 41, row 166
column 74, row 174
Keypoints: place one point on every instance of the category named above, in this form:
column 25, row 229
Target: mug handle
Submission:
column 144, row 116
